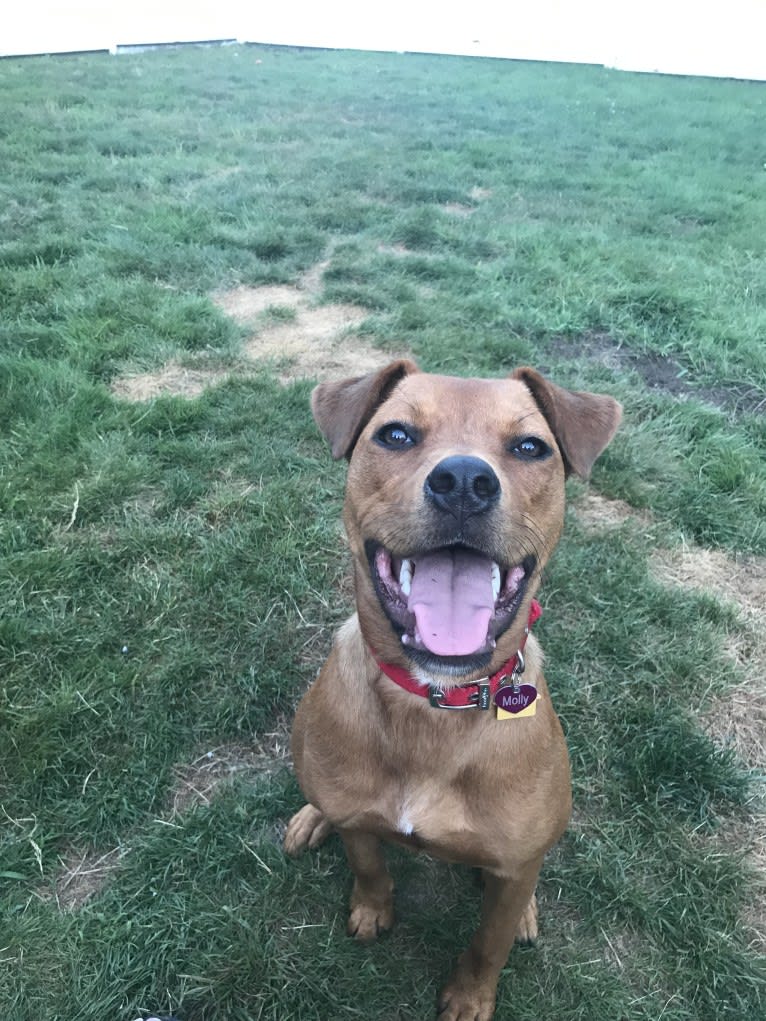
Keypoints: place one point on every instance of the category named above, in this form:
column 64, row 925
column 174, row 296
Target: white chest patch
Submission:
column 404, row 825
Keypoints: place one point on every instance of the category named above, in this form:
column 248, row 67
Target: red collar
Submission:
column 478, row 694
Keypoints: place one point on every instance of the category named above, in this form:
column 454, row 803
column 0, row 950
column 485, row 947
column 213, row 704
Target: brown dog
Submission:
column 454, row 503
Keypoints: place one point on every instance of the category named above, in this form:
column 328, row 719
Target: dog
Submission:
column 430, row 725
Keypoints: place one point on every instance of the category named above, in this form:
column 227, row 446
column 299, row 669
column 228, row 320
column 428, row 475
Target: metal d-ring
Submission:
column 518, row 670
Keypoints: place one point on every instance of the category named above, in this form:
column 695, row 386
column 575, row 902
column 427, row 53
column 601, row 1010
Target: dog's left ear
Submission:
column 342, row 409
column 583, row 423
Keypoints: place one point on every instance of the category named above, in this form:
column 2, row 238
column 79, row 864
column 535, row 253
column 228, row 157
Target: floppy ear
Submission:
column 582, row 423
column 342, row 409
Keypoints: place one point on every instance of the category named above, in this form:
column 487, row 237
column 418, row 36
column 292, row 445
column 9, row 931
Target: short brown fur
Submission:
column 379, row 763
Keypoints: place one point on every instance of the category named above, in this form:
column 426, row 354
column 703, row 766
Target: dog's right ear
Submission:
column 342, row 409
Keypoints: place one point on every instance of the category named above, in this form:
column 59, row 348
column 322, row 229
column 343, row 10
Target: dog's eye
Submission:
column 395, row 436
column 530, row 448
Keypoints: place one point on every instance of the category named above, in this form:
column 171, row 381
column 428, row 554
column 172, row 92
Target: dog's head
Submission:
column 454, row 503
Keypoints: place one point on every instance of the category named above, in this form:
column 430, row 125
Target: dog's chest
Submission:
column 426, row 814
column 433, row 818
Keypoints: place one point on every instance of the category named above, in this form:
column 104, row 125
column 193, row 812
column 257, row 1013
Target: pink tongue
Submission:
column 452, row 599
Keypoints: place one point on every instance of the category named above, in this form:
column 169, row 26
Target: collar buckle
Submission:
column 479, row 699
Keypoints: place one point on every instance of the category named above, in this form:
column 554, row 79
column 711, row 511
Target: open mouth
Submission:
column 450, row 604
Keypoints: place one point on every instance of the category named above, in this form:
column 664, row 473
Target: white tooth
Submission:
column 405, row 577
column 514, row 579
column 495, row 580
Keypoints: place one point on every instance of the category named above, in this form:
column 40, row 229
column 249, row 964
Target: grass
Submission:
column 170, row 571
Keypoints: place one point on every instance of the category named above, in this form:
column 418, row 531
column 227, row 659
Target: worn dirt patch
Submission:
column 246, row 304
column 316, row 344
column 84, row 874
column 458, row 209
column 751, row 838
column 597, row 512
column 738, row 718
column 398, row 251
column 197, row 781
column 317, row 341
column 658, row 372
column 171, row 379
column 742, row 581
column 288, row 327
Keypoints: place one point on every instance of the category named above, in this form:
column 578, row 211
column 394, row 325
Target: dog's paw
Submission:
column 367, row 921
column 526, row 934
column 459, row 1002
column 307, row 829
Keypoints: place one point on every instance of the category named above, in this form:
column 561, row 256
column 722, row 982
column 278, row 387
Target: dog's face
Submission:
column 454, row 503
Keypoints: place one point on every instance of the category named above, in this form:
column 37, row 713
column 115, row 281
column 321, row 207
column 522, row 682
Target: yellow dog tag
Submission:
column 515, row 701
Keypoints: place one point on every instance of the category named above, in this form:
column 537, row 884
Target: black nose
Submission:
column 463, row 486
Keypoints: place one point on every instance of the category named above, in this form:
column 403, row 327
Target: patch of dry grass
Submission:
column 314, row 340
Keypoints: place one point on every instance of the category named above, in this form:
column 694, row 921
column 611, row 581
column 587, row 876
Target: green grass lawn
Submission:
column 171, row 570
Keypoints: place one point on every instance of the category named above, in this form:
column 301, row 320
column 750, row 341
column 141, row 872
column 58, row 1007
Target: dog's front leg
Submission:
column 372, row 901
column 470, row 993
